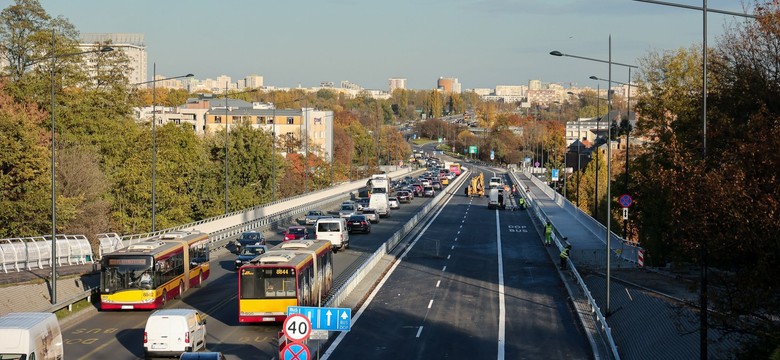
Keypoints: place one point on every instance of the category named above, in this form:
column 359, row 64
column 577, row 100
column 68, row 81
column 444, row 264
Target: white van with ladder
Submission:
column 30, row 335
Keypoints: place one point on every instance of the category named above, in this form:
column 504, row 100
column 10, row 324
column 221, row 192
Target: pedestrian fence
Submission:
column 19, row 254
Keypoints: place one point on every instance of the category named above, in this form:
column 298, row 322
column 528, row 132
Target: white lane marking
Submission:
column 453, row 246
column 501, row 301
column 430, row 303
column 438, row 283
column 448, row 257
column 370, row 297
column 444, row 268
column 629, row 294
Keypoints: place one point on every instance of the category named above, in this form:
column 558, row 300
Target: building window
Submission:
column 260, row 120
column 218, row 119
column 270, row 120
column 177, row 121
column 290, row 120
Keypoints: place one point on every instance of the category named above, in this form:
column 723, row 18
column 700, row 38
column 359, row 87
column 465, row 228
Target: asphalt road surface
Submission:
column 118, row 335
column 476, row 284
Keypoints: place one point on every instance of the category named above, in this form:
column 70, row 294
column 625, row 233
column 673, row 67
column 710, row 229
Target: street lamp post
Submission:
column 609, row 62
column 704, row 252
column 154, row 137
column 53, row 260
column 579, row 164
column 227, row 151
column 628, row 136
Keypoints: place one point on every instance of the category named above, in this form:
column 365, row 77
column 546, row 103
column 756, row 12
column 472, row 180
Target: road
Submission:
column 476, row 284
column 119, row 335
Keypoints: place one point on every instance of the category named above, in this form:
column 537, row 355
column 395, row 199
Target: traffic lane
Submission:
column 120, row 334
column 425, row 308
column 540, row 322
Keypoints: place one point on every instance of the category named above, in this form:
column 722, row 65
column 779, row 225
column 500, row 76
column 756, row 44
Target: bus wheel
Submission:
column 164, row 298
column 181, row 290
column 200, row 280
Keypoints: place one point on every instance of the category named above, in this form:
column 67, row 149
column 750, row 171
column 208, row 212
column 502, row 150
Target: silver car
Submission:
column 393, row 202
column 370, row 214
column 313, row 216
column 347, row 210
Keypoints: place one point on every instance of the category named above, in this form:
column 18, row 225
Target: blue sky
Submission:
column 483, row 43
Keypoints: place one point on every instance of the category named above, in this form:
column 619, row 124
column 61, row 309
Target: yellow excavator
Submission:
column 477, row 186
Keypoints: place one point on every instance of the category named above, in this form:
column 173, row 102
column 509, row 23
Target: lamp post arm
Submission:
column 699, row 8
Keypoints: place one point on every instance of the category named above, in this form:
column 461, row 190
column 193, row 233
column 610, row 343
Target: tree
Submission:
column 25, row 180
column 735, row 182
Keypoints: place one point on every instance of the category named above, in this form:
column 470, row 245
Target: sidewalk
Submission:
column 650, row 310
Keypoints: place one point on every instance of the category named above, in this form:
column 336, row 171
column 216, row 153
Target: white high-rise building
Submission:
column 535, row 85
column 131, row 44
column 396, row 83
column 253, row 81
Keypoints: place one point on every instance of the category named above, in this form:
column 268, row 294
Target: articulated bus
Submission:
column 147, row 274
column 294, row 273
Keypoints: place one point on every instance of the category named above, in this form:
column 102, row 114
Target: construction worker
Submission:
column 521, row 202
column 548, row 234
column 565, row 256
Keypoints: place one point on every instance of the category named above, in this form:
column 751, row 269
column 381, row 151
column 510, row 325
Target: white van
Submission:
column 334, row 230
column 170, row 332
column 30, row 335
column 380, row 203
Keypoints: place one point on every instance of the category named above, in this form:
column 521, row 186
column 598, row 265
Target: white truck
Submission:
column 30, row 335
column 379, row 183
column 496, row 199
column 379, row 202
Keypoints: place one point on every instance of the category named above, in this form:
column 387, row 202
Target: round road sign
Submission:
column 297, row 328
column 626, row 200
column 296, row 351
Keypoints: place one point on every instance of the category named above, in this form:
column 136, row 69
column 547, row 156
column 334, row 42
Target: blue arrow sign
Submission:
column 331, row 319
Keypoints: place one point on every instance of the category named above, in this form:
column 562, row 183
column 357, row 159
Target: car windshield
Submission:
column 315, row 213
column 357, row 218
column 347, row 207
column 251, row 236
column 251, row 250
column 369, row 211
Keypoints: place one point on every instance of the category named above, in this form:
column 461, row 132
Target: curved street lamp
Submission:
column 154, row 136
column 53, row 58
column 609, row 154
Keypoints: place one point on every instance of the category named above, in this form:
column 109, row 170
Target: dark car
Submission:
column 248, row 253
column 363, row 202
column 359, row 223
column 403, row 196
column 202, row 356
column 296, row 233
column 249, row 238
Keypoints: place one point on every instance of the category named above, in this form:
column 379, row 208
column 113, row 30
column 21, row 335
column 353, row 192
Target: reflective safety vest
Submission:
column 565, row 253
column 548, row 229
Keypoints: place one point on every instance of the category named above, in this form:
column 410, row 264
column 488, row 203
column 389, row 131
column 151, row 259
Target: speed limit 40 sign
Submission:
column 297, row 328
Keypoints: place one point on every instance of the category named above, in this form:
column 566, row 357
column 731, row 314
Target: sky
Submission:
column 482, row 43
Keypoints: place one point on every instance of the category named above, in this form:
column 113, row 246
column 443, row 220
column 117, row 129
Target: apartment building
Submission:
column 132, row 45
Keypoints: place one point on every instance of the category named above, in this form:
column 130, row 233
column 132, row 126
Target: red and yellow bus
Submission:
column 294, row 273
column 147, row 274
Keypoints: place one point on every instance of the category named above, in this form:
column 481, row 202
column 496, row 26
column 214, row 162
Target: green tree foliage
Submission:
column 25, row 180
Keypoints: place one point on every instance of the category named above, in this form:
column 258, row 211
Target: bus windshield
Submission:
column 267, row 283
column 125, row 272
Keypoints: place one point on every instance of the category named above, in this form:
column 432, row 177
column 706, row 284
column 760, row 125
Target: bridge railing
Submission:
column 19, row 254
